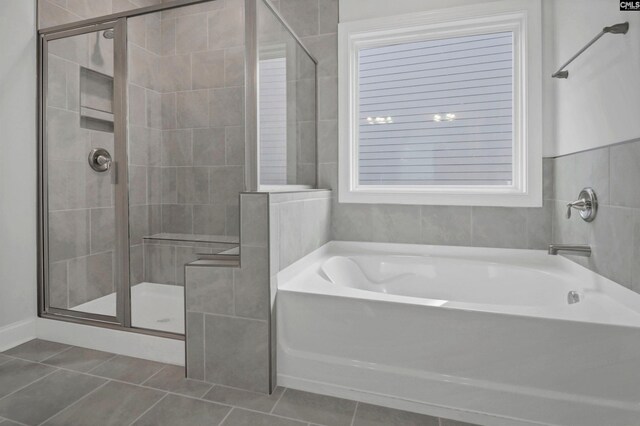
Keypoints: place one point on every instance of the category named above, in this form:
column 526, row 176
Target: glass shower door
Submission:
column 82, row 195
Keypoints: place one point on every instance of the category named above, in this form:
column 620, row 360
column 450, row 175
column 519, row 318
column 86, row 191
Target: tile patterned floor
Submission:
column 47, row 383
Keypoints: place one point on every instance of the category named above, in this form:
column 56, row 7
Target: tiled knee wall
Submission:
column 614, row 174
column 231, row 337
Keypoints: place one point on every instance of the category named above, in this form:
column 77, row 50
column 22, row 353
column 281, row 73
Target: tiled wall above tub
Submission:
column 299, row 222
column 614, row 174
column 501, row 227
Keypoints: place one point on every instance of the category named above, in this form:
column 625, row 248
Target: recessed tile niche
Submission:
column 96, row 100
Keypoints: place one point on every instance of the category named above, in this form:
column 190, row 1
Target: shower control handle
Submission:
column 100, row 160
column 586, row 204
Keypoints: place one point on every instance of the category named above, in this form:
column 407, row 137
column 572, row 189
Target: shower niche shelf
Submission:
column 96, row 100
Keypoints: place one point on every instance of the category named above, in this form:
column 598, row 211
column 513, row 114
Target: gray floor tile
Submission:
column 445, row 422
column 18, row 373
column 114, row 404
column 46, row 397
column 36, row 350
column 127, row 369
column 9, row 423
column 239, row 417
column 315, row 408
column 172, row 379
column 176, row 410
column 79, row 359
column 245, row 399
column 4, row 358
column 373, row 415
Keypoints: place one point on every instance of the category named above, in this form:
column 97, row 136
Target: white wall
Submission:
column 17, row 162
column 600, row 102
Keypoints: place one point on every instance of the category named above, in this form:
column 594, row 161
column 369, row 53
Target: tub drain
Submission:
column 573, row 297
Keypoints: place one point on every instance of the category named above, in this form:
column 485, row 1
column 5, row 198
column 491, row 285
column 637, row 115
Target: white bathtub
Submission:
column 474, row 334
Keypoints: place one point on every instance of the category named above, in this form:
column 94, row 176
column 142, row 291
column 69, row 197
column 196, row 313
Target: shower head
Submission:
column 108, row 34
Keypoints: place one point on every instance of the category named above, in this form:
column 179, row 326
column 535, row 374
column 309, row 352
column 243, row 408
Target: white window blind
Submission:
column 273, row 121
column 437, row 112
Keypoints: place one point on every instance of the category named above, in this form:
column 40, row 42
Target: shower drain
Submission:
column 164, row 320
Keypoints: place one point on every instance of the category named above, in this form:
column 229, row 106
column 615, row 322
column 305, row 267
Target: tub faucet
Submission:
column 576, row 249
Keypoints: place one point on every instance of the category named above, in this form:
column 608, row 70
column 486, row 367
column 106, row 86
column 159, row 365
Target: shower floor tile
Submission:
column 153, row 306
column 125, row 391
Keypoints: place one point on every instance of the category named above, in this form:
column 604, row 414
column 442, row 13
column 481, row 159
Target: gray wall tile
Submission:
column 234, row 66
column 251, row 284
column 159, row 264
column 625, row 175
column 234, row 145
column 103, row 227
column 210, row 290
column 191, row 33
column 254, row 220
column 192, row 185
column 226, row 107
column 237, row 352
column 226, row 28
column 209, row 147
column 90, row 278
column 195, row 345
column 499, row 227
column 446, row 225
column 192, row 109
column 302, row 15
column 585, row 169
column 377, row 222
column 209, row 219
column 208, row 69
column 176, row 148
column 69, row 233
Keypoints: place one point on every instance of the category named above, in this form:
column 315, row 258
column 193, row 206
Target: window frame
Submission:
column 523, row 18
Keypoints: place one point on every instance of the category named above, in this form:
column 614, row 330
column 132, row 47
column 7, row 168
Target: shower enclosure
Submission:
column 152, row 122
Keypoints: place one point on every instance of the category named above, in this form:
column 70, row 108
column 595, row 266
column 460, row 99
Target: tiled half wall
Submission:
column 231, row 336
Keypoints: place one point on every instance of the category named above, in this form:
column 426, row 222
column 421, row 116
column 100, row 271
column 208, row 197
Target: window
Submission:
column 443, row 107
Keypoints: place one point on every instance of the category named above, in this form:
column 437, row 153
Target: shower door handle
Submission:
column 113, row 168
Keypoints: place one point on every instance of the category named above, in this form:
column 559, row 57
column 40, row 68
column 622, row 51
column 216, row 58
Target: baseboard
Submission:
column 17, row 333
column 153, row 348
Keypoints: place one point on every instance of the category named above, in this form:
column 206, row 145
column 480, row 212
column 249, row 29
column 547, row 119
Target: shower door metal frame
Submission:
column 122, row 315
column 122, row 320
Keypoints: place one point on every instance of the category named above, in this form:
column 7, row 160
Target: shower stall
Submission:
column 152, row 122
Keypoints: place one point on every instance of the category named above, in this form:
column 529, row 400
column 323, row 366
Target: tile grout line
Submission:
column 355, row 411
column 29, row 384
column 149, row 409
column 224, row 419
column 99, row 365
column 153, row 375
column 69, row 347
column 278, row 401
column 75, row 402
